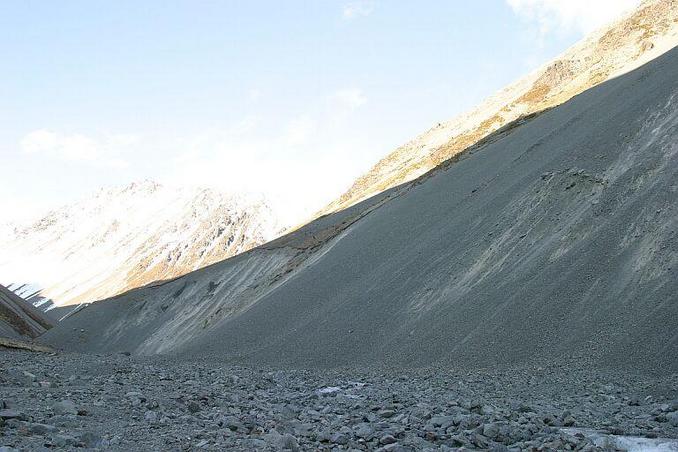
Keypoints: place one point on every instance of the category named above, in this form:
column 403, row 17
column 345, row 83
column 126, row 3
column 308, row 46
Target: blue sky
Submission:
column 291, row 99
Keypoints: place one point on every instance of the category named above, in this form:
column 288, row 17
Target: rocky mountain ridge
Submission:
column 126, row 237
column 19, row 319
column 624, row 45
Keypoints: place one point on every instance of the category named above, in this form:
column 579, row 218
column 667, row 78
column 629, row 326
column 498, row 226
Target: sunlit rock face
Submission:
column 624, row 45
column 129, row 236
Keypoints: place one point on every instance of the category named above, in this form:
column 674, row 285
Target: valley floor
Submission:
column 70, row 401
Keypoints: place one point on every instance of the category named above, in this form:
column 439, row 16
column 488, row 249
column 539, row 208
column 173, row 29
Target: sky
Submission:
column 292, row 100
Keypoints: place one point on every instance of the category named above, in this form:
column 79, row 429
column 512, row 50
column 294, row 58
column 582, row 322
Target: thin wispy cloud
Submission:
column 299, row 130
column 76, row 147
column 582, row 16
column 281, row 156
column 254, row 94
column 350, row 98
column 357, row 9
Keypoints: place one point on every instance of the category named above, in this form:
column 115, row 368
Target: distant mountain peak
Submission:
column 126, row 236
column 146, row 185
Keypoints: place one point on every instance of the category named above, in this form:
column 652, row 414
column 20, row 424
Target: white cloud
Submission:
column 357, row 9
column 246, row 125
column 75, row 147
column 350, row 98
column 299, row 130
column 299, row 164
column 570, row 15
column 254, row 94
column 69, row 147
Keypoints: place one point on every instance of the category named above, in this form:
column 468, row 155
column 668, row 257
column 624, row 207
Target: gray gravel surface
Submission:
column 117, row 402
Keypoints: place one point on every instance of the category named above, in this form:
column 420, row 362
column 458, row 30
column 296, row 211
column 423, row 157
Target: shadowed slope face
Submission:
column 557, row 237
column 18, row 318
column 624, row 45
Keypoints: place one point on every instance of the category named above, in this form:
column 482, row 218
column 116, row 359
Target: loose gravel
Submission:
column 118, row 402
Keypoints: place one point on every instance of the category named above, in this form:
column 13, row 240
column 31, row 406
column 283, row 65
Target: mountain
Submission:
column 19, row 319
column 554, row 237
column 126, row 237
column 31, row 294
column 622, row 46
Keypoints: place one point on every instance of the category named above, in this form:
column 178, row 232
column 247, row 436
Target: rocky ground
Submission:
column 69, row 401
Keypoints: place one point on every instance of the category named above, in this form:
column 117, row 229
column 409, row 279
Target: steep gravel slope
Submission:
column 555, row 237
column 19, row 319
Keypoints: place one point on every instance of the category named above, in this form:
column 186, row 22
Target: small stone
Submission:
column 29, row 376
column 491, row 430
column 233, row 424
column 487, row 410
column 273, row 437
column 395, row 447
column 442, row 421
column 364, row 430
column 329, row 390
column 151, row 416
column 65, row 407
column 12, row 423
column 135, row 398
column 548, row 420
column 523, row 408
column 63, row 440
column 339, row 438
column 569, row 421
column 289, row 442
column 40, row 429
column 153, row 404
column 193, row 407
column 386, row 413
column 387, row 439
column 13, row 414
